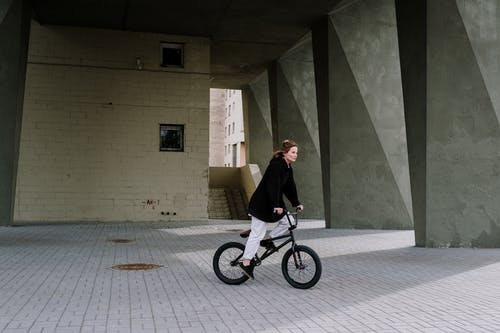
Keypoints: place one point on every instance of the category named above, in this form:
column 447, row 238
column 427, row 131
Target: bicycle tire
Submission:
column 301, row 267
column 225, row 263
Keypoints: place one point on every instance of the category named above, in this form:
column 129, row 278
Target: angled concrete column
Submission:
column 282, row 105
column 449, row 59
column 258, row 130
column 272, row 76
column 412, row 34
column 463, row 134
column 361, row 117
column 297, row 119
column 322, row 51
column 14, row 32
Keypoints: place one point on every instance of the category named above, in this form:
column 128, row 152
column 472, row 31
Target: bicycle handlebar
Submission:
column 296, row 211
column 296, row 218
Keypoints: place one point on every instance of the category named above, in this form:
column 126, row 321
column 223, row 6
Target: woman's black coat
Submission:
column 277, row 180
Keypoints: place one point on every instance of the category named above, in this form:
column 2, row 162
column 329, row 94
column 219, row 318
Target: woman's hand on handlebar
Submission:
column 299, row 208
column 278, row 210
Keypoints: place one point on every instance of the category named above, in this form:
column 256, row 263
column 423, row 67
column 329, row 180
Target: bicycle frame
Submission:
column 268, row 252
column 290, row 237
column 300, row 265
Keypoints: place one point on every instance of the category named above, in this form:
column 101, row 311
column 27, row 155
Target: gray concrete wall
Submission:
column 14, row 33
column 369, row 159
column 298, row 120
column 4, row 8
column 258, row 114
column 463, row 153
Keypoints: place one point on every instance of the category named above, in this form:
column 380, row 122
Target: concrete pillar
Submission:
column 272, row 76
column 463, row 124
column 258, row 129
column 322, row 51
column 361, row 118
column 412, row 38
column 458, row 59
column 297, row 119
column 452, row 100
column 14, row 35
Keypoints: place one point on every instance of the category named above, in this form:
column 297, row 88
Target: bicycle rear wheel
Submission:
column 225, row 263
column 301, row 267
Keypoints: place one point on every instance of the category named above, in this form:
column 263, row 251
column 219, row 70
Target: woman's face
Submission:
column 291, row 155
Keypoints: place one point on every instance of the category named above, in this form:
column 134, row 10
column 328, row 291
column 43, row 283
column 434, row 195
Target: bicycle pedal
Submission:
column 256, row 262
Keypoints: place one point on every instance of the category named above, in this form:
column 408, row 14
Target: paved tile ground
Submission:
column 58, row 278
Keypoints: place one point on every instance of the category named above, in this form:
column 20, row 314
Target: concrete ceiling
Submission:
column 245, row 35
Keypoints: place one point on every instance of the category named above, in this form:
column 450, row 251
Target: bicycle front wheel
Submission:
column 301, row 267
column 225, row 263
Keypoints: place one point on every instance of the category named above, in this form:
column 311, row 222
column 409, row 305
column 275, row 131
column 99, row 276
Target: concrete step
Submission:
column 218, row 207
column 226, row 203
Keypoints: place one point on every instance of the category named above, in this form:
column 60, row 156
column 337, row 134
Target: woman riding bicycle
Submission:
column 267, row 205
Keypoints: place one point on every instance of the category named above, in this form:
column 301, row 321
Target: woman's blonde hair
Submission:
column 286, row 145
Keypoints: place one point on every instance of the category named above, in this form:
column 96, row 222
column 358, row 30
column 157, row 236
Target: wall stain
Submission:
column 488, row 240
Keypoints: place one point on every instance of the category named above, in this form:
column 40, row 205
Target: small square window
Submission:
column 171, row 137
column 172, row 55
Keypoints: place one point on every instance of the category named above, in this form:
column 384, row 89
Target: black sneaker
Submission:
column 268, row 244
column 247, row 270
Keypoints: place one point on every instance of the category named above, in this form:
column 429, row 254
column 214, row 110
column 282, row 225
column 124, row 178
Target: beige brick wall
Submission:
column 90, row 134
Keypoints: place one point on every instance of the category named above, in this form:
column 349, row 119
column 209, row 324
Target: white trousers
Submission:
column 258, row 232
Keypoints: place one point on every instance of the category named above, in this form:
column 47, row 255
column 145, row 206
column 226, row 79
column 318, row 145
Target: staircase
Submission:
column 236, row 204
column 229, row 190
column 226, row 203
column 218, row 207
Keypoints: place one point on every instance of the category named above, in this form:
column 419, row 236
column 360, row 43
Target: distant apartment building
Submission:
column 217, row 122
column 234, row 141
column 227, row 137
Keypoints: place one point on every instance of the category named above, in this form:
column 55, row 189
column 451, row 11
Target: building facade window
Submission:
column 172, row 55
column 171, row 137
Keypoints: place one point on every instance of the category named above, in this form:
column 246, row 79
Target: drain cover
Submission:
column 136, row 267
column 121, row 240
column 235, row 230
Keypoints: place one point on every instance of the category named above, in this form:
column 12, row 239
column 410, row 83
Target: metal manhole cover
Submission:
column 136, row 267
column 121, row 240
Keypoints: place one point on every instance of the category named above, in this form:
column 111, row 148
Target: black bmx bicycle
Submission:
column 300, row 265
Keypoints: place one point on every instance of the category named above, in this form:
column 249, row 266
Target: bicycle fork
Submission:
column 297, row 259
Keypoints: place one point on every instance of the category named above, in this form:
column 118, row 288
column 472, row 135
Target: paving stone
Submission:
column 58, row 278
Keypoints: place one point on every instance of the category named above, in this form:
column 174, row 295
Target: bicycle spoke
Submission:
column 301, row 267
column 225, row 263
column 303, row 271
